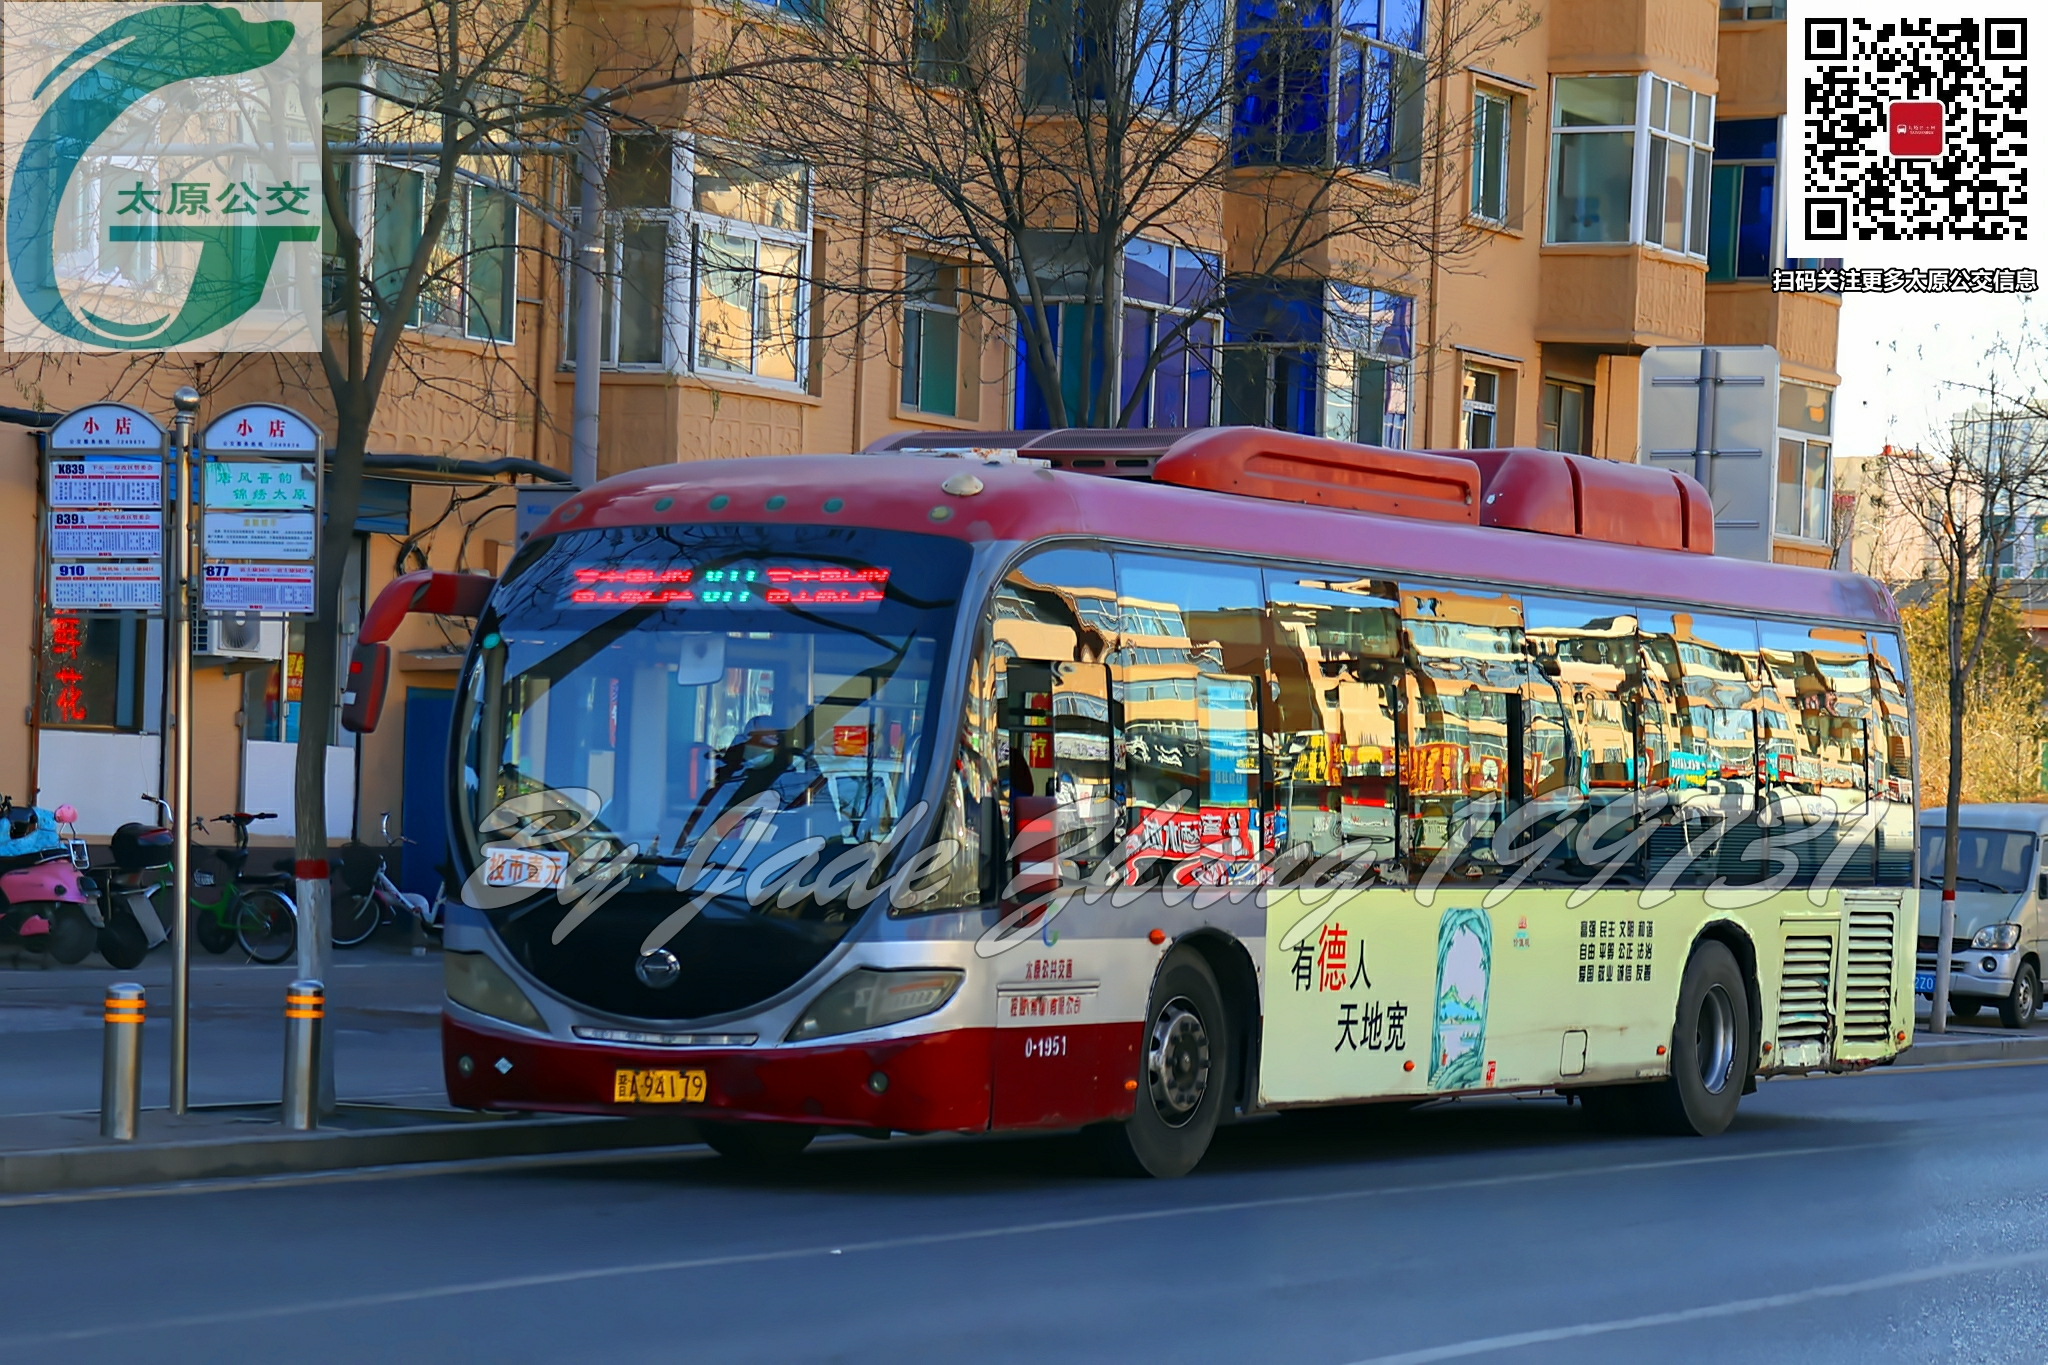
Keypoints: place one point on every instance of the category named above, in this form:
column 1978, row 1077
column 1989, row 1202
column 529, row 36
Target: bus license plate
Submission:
column 1923, row 984
column 657, row 1087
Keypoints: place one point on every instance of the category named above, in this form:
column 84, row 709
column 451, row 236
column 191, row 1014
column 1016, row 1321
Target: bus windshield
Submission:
column 732, row 692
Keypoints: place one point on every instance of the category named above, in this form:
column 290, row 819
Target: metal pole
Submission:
column 305, row 1010
column 121, row 1063
column 1704, row 433
column 593, row 151
column 178, row 621
column 1944, row 960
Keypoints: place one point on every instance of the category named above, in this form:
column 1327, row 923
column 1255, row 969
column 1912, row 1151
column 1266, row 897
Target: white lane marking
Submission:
column 549, row 1279
column 1458, row 1350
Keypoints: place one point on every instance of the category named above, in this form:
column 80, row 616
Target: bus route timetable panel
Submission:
column 105, row 509
column 260, row 490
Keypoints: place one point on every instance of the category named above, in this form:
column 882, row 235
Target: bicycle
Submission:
column 357, row 916
column 262, row 919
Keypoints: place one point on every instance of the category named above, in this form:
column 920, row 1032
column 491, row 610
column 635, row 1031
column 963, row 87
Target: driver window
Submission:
column 1054, row 628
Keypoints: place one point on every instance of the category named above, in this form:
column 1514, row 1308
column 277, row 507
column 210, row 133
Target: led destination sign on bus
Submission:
column 737, row 587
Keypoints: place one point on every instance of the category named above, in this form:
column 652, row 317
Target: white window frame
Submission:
column 1469, row 407
column 1642, row 130
column 1481, row 97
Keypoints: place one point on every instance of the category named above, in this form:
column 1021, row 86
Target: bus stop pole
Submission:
column 178, row 620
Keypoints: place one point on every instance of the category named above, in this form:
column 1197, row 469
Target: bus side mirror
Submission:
column 2042, row 889
column 362, row 697
column 1034, row 853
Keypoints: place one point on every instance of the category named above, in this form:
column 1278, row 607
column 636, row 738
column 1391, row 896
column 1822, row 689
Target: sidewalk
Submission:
column 1974, row 1042
column 47, row 1152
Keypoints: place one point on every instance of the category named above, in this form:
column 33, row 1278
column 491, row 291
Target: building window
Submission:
column 1490, row 157
column 1167, row 316
column 1480, row 409
column 1744, row 199
column 93, row 671
column 1803, row 488
column 1566, row 410
column 931, row 336
column 469, row 284
column 1739, row 10
column 1322, row 359
column 1318, row 84
column 1610, row 134
column 1175, row 50
column 705, row 263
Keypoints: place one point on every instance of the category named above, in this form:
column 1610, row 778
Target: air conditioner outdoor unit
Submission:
column 238, row 635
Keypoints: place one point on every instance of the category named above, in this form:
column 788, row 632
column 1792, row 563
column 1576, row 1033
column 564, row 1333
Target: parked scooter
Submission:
column 129, row 925
column 45, row 905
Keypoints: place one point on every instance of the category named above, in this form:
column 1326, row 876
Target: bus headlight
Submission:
column 867, row 998
column 477, row 983
column 1997, row 937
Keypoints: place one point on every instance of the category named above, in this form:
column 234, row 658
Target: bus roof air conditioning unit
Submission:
column 1574, row 495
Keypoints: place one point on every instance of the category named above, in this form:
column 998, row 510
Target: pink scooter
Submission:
column 45, row 906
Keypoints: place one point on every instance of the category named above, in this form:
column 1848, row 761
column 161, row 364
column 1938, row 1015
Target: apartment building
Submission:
column 1563, row 187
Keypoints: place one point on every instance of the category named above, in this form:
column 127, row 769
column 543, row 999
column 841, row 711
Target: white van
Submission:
column 2000, row 888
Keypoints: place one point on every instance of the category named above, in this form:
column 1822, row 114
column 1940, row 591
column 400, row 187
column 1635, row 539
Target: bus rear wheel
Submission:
column 1185, row 1078
column 1710, row 1049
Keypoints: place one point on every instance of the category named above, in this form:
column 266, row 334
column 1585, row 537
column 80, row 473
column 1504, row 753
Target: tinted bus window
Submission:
column 1815, row 752
column 1700, row 679
column 1579, row 727
column 1054, row 629
column 1332, row 735
column 1192, row 679
column 1463, row 758
column 1891, row 761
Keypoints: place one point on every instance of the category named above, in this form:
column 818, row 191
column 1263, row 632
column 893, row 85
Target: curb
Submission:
column 2020, row 1047
column 281, row 1153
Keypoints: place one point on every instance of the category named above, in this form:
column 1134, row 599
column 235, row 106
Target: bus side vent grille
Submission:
column 1804, row 1024
column 1867, row 1009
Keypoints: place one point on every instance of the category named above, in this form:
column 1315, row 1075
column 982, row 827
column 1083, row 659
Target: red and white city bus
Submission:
column 1139, row 781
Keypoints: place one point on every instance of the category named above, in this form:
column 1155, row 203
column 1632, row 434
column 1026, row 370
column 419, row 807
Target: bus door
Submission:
column 1060, row 1058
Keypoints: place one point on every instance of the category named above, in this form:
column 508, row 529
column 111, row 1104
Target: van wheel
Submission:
column 1186, row 1075
column 1965, row 1008
column 1709, row 1049
column 2017, row 1009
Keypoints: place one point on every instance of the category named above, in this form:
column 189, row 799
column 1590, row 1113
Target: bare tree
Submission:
column 1970, row 494
column 1039, row 141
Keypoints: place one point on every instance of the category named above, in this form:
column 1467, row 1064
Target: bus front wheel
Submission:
column 1185, row 1075
column 1709, row 1048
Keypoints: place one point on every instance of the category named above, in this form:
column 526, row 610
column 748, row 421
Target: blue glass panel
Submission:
column 1246, row 392
column 1350, row 104
column 1033, row 413
column 1260, row 13
column 1753, row 227
column 1148, row 269
column 1397, row 336
column 1152, row 83
column 1197, row 278
column 1721, row 220
column 1377, row 143
column 1350, row 325
column 1359, row 16
column 1138, row 343
column 1169, row 382
column 1404, row 24
column 1294, row 391
column 1080, row 343
column 1255, row 129
column 1201, row 357
column 1274, row 310
column 1746, row 139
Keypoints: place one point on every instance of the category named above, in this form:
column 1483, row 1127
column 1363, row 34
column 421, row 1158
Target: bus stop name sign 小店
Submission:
column 261, row 491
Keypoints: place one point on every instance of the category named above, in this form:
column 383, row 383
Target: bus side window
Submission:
column 1055, row 627
column 1193, row 679
column 1464, row 765
column 1891, row 762
column 1579, row 726
column 1815, row 750
column 1332, row 729
column 1699, row 747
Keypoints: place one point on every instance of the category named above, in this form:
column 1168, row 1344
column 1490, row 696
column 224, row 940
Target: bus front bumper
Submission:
column 936, row 1082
